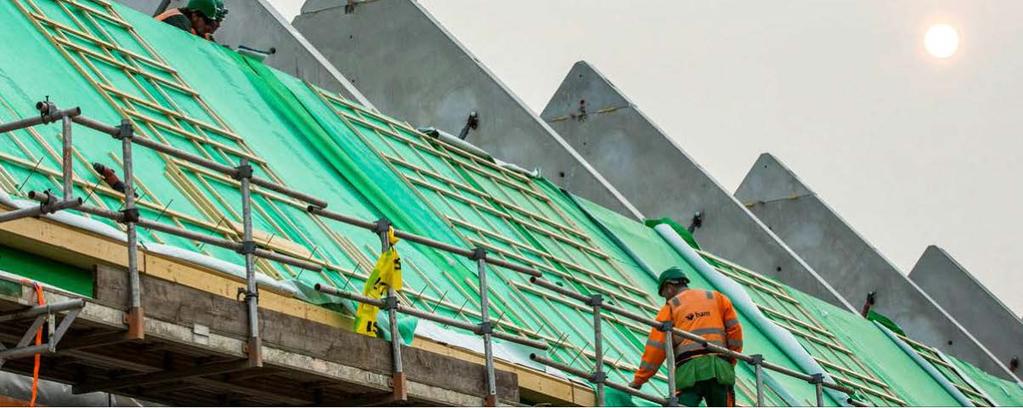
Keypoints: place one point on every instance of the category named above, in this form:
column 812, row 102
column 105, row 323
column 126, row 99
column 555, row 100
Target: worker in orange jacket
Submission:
column 699, row 373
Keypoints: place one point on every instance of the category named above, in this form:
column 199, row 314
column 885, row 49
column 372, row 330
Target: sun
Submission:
column 941, row 40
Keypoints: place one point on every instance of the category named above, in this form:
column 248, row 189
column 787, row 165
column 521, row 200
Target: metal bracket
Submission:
column 598, row 377
column 242, row 172
column 486, row 327
column 390, row 303
column 46, row 110
column 46, row 205
column 478, row 253
column 666, row 326
column 817, row 378
column 247, row 247
column 125, row 130
column 595, row 300
column 382, row 225
column 130, row 215
column 242, row 292
column 756, row 359
column 696, row 223
column 472, row 122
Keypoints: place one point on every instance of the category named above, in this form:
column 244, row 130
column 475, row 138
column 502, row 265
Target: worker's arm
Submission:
column 733, row 330
column 179, row 21
column 653, row 353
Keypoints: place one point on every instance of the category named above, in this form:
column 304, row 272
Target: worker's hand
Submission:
column 635, row 386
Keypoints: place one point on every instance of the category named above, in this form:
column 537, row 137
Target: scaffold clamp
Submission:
column 125, row 130
column 478, row 253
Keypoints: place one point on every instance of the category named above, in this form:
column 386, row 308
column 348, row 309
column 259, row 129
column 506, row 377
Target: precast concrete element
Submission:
column 852, row 265
column 257, row 25
column 409, row 66
column 662, row 180
column 967, row 300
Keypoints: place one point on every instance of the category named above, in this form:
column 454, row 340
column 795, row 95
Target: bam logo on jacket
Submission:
column 694, row 315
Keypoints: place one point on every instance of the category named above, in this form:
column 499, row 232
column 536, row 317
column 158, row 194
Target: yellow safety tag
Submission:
column 386, row 274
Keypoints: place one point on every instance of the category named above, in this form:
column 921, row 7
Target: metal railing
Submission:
column 130, row 217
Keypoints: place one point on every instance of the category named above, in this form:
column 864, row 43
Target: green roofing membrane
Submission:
column 1003, row 393
column 204, row 98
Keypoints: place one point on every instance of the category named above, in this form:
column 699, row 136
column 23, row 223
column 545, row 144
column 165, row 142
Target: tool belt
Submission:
column 689, row 355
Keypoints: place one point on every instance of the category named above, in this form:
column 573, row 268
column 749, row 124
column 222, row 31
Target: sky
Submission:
column 909, row 149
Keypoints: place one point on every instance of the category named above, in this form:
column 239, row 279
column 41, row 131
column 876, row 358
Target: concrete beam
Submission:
column 257, row 24
column 971, row 303
column 656, row 175
column 410, row 67
column 852, row 265
column 293, row 343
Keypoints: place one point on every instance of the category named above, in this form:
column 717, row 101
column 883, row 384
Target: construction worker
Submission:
column 699, row 373
column 200, row 17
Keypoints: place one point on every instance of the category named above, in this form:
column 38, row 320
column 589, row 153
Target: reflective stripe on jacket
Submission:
column 706, row 313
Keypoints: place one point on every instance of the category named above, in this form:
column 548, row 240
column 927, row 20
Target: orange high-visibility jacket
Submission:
column 706, row 313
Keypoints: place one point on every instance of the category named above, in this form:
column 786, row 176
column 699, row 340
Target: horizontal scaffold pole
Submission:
column 430, row 316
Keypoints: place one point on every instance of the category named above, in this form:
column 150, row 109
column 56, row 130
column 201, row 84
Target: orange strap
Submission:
column 39, row 340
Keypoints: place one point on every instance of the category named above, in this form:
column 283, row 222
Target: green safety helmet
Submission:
column 212, row 9
column 672, row 274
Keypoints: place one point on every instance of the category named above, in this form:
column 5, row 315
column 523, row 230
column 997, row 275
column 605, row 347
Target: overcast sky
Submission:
column 910, row 149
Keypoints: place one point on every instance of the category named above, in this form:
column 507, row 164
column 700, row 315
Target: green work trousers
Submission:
column 715, row 394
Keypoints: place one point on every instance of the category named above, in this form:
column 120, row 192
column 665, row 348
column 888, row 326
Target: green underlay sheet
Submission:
column 911, row 382
column 1004, row 393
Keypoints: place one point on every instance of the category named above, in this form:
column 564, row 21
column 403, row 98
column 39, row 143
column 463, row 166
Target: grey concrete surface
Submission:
column 257, row 24
column 181, row 305
column 409, row 66
column 971, row 303
column 662, row 180
column 851, row 264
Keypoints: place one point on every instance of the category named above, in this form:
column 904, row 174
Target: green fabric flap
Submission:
column 885, row 321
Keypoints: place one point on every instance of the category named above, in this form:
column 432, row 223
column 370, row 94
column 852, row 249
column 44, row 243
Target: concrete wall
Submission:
column 659, row 178
column 850, row 264
column 256, row 24
column 967, row 300
column 410, row 67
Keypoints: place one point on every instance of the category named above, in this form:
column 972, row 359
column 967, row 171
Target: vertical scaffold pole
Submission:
column 400, row 391
column 131, row 216
column 67, row 170
column 598, row 377
column 486, row 327
column 818, row 383
column 243, row 173
column 758, row 370
column 669, row 352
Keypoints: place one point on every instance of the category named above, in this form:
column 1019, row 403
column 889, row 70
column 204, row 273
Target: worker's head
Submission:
column 206, row 15
column 671, row 282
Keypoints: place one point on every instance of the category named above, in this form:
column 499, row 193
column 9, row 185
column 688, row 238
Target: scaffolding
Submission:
column 129, row 216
